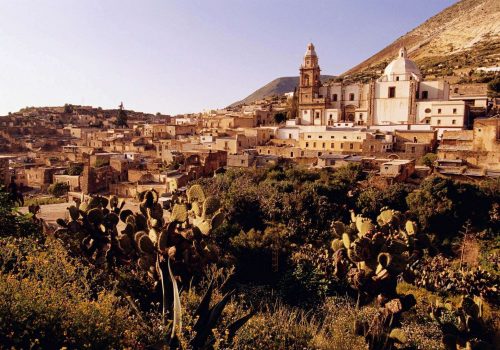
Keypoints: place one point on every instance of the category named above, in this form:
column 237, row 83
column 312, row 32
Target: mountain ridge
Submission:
column 278, row 86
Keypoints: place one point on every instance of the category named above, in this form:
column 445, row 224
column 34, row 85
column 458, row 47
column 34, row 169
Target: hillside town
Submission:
column 387, row 125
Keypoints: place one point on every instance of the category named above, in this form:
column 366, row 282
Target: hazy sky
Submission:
column 182, row 56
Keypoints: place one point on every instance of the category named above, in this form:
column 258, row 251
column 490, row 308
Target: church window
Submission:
column 334, row 97
column 306, row 80
column 425, row 95
column 351, row 97
column 392, row 91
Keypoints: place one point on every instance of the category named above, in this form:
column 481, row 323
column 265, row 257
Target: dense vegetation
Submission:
column 281, row 258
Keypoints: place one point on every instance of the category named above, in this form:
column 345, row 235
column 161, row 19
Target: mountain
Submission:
column 461, row 38
column 278, row 86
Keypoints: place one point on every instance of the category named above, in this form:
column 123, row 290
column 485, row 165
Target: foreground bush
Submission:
column 48, row 302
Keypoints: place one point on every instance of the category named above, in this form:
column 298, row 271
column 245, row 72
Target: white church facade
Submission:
column 400, row 98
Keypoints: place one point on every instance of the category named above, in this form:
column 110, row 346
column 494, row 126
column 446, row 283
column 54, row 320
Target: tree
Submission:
column 442, row 205
column 68, row 109
column 58, row 189
column 494, row 87
column 121, row 119
column 429, row 160
column 280, row 117
column 75, row 169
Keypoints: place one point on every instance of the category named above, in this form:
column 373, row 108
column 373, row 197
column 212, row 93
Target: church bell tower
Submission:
column 310, row 83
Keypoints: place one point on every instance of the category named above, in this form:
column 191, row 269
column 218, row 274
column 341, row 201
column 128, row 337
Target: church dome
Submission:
column 402, row 68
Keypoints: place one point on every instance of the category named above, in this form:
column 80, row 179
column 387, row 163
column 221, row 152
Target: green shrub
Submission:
column 58, row 189
column 48, row 301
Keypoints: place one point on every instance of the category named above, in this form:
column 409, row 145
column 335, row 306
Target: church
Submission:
column 399, row 98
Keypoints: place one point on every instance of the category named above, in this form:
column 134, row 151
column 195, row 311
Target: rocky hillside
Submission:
column 454, row 43
column 278, row 87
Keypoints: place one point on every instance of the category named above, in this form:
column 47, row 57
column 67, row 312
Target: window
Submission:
column 455, row 90
column 242, row 161
column 291, row 154
column 453, row 121
column 425, row 95
column 351, row 146
column 345, row 137
column 331, row 116
column 427, row 110
column 314, row 144
column 341, row 145
column 439, row 110
column 332, row 137
column 397, row 78
column 351, row 97
column 307, row 144
column 392, row 91
column 413, row 150
column 317, row 115
column 308, row 136
column 289, row 136
column 372, row 147
column 334, row 97
column 454, row 111
column 324, row 145
column 306, row 80
column 332, row 145
column 360, row 116
column 439, row 121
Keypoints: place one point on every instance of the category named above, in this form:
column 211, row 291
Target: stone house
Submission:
column 398, row 169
